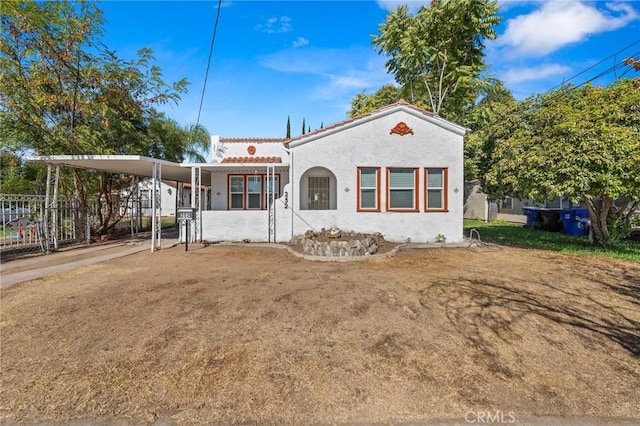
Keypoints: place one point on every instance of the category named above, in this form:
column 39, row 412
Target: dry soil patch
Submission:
column 252, row 334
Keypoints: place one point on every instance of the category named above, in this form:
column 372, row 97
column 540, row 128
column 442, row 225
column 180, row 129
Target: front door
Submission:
column 318, row 193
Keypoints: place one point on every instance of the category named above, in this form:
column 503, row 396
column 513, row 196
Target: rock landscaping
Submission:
column 337, row 243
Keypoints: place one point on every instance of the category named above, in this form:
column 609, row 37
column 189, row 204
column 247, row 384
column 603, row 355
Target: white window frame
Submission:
column 506, row 203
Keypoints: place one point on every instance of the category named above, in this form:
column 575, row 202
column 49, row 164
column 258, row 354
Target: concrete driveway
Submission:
column 28, row 268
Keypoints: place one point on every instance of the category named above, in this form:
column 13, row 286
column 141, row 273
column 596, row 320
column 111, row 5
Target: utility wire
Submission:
column 206, row 74
column 614, row 68
column 593, row 66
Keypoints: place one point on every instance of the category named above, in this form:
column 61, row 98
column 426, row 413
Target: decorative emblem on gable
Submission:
column 251, row 149
column 401, row 129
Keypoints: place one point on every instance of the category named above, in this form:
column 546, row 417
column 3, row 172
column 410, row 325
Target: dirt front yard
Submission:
column 248, row 334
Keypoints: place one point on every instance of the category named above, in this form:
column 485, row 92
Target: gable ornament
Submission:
column 401, row 129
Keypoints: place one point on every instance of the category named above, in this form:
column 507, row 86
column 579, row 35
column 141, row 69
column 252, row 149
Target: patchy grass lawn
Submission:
column 519, row 236
column 245, row 334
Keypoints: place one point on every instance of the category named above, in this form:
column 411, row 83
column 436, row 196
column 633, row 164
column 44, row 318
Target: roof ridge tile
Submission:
column 271, row 159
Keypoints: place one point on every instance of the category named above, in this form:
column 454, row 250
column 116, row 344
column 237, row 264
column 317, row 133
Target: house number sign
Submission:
column 186, row 215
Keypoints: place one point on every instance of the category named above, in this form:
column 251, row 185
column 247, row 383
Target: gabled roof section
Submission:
column 401, row 105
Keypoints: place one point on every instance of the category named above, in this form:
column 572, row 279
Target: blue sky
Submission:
column 308, row 59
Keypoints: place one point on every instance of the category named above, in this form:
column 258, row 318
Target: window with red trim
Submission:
column 254, row 192
column 249, row 192
column 368, row 189
column 236, row 192
column 402, row 189
column 435, row 189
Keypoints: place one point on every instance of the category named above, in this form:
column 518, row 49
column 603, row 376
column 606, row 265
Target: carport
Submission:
column 135, row 165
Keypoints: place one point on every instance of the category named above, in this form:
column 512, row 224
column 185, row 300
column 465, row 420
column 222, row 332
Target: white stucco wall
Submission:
column 239, row 225
column 370, row 144
column 237, row 148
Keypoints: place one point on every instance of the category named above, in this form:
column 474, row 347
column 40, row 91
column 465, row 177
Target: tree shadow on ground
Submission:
column 483, row 310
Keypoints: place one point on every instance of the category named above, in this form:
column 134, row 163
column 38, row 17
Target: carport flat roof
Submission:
column 137, row 165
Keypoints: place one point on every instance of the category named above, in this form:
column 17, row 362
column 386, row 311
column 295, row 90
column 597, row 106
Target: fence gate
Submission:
column 25, row 228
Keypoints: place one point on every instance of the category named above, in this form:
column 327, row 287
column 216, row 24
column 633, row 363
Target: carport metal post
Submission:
column 156, row 206
column 54, row 204
column 153, row 207
column 88, row 226
column 133, row 196
column 196, row 201
column 51, row 218
column 45, row 221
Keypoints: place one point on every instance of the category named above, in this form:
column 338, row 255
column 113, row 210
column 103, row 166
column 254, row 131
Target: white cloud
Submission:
column 275, row 25
column 337, row 85
column 559, row 23
column 349, row 81
column 518, row 75
column 339, row 72
column 300, row 41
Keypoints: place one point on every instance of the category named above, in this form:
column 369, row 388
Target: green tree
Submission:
column 166, row 139
column 477, row 144
column 63, row 92
column 363, row 103
column 288, row 134
column 437, row 55
column 48, row 76
column 303, row 126
column 582, row 143
column 18, row 177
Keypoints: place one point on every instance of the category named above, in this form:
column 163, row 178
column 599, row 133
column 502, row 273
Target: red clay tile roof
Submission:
column 252, row 160
column 251, row 140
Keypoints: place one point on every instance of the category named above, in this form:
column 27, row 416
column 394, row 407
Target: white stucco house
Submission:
column 397, row 170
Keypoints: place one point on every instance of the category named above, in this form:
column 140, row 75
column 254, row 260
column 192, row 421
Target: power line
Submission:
column 609, row 71
column 206, row 74
column 593, row 66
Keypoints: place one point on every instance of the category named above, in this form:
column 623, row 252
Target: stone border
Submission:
column 390, row 253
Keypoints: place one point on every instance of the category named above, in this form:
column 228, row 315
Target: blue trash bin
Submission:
column 532, row 214
column 582, row 221
column 575, row 221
